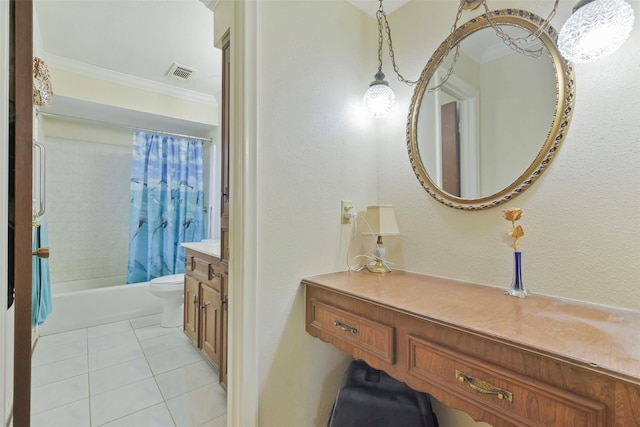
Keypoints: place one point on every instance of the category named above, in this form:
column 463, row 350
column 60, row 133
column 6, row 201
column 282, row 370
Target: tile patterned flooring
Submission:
column 126, row 374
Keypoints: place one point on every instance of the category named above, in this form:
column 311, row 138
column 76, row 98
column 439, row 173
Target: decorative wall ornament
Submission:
column 42, row 92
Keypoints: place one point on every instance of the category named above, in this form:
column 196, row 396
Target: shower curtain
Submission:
column 166, row 204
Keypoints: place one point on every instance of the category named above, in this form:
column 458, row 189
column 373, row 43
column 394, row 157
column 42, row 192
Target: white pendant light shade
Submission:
column 379, row 97
column 595, row 29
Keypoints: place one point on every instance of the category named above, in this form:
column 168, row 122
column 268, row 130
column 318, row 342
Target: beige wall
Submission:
column 101, row 91
column 316, row 147
column 581, row 216
column 515, row 117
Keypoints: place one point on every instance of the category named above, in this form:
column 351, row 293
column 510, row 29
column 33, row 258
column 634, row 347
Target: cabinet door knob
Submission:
column 204, row 306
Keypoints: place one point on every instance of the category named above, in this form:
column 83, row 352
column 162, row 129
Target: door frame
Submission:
column 4, row 216
column 240, row 18
column 23, row 209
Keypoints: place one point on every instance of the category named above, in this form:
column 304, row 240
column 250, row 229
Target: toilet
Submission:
column 171, row 290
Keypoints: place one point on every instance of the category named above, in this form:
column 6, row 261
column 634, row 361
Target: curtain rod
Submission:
column 64, row 116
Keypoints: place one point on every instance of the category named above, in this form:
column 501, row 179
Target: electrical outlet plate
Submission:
column 346, row 206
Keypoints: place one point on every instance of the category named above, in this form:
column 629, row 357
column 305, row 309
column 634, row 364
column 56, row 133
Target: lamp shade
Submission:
column 382, row 220
column 379, row 97
column 595, row 29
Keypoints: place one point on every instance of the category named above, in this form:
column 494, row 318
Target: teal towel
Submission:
column 40, row 279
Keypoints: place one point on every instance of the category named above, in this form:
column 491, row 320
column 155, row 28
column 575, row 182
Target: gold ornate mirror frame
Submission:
column 565, row 91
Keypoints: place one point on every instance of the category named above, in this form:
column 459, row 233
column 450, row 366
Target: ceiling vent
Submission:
column 180, row 72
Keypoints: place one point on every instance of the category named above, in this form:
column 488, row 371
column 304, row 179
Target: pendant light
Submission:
column 595, row 29
column 379, row 97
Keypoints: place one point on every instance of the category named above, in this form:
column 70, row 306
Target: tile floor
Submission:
column 126, row 374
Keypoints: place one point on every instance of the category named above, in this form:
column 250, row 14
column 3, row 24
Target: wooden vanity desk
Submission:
column 539, row 361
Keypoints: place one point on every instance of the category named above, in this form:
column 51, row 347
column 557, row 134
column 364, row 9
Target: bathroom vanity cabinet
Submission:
column 538, row 361
column 205, row 306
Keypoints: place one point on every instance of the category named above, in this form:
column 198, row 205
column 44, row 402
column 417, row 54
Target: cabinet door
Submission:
column 210, row 323
column 225, row 329
column 226, row 145
column 191, row 308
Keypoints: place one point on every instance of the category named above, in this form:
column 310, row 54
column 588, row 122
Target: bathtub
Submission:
column 84, row 303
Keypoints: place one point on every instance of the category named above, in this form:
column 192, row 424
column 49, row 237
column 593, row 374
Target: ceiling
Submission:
column 371, row 6
column 140, row 38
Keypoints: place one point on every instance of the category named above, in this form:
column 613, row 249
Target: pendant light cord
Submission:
column 383, row 26
column 512, row 42
column 515, row 42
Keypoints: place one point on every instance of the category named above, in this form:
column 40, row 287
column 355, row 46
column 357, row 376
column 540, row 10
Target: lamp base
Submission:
column 379, row 267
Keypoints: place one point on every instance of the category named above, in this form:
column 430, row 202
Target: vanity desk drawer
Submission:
column 513, row 398
column 352, row 330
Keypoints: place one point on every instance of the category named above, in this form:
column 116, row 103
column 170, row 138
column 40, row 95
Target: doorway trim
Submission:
column 4, row 216
column 243, row 381
column 469, row 127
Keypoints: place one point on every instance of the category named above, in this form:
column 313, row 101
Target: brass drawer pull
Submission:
column 484, row 387
column 345, row 327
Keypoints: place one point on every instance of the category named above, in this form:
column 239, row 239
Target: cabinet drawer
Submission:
column 207, row 270
column 369, row 336
column 515, row 398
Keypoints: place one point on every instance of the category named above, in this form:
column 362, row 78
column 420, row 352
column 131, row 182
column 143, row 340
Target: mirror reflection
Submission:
column 490, row 117
column 483, row 135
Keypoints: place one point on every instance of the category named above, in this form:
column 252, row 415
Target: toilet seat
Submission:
column 171, row 283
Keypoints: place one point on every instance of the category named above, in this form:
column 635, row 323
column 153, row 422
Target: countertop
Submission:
column 602, row 337
column 209, row 247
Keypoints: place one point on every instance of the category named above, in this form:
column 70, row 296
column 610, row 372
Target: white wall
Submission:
column 87, row 188
column 316, row 147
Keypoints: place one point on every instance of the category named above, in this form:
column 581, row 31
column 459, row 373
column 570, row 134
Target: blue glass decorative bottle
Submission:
column 517, row 288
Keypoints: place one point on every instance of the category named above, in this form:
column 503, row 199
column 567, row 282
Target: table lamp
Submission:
column 382, row 222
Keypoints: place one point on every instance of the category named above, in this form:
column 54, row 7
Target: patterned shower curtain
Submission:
column 166, row 204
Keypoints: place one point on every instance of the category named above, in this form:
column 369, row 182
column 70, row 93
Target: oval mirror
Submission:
column 493, row 125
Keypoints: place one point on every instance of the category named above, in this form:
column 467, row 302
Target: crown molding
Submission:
column 117, row 77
